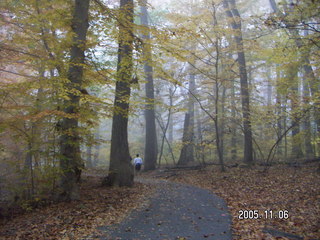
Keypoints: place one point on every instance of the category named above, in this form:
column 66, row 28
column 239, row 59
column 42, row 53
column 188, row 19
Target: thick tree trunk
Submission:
column 121, row 170
column 235, row 18
column 187, row 151
column 70, row 160
column 151, row 146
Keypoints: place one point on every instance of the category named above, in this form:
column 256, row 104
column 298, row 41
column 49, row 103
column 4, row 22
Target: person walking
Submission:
column 137, row 162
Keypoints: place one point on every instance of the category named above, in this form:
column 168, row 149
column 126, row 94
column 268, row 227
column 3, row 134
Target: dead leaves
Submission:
column 283, row 188
column 98, row 206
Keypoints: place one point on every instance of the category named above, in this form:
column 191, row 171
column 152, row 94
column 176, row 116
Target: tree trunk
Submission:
column 89, row 157
column 285, row 127
column 222, row 121
column 166, row 127
column 187, row 151
column 28, row 167
column 96, row 148
column 164, row 138
column 121, row 170
column 306, row 123
column 200, row 146
column 308, row 86
column 151, row 146
column 235, row 18
column 295, row 109
column 279, row 114
column 170, row 132
column 70, row 160
column 233, row 125
column 186, row 154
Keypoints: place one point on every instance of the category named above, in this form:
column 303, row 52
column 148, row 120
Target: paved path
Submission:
column 176, row 212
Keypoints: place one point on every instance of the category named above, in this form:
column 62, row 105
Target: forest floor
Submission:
column 282, row 188
column 98, row 206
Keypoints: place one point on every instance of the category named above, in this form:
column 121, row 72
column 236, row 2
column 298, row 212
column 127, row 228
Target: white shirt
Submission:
column 137, row 160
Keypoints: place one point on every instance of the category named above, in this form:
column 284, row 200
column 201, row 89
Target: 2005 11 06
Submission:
column 267, row 214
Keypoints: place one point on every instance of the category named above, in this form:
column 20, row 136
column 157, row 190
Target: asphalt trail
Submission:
column 175, row 212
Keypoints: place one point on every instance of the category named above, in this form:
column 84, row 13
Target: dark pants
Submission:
column 138, row 167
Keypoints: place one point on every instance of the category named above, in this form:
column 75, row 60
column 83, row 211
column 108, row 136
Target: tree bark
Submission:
column 279, row 114
column 70, row 159
column 295, row 109
column 185, row 154
column 96, row 148
column 235, row 18
column 308, row 81
column 200, row 154
column 121, row 170
column 187, row 151
column 151, row 146
column 170, row 132
column 309, row 153
column 222, row 124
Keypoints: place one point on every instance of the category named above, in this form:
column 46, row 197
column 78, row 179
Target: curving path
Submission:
column 175, row 212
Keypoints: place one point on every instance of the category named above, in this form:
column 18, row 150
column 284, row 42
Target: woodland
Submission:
column 220, row 94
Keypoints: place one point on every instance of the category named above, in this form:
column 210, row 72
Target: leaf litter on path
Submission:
column 282, row 188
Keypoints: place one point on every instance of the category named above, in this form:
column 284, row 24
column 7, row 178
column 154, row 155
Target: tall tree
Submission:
column 120, row 170
column 151, row 146
column 170, row 132
column 295, row 110
column 187, row 151
column 235, row 22
column 279, row 112
column 309, row 153
column 233, row 143
column 219, row 117
column 70, row 159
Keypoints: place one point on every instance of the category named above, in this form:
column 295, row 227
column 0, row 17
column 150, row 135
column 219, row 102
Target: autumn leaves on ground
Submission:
column 294, row 189
column 98, row 206
column 282, row 188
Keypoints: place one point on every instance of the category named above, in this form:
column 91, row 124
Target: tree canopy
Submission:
column 93, row 83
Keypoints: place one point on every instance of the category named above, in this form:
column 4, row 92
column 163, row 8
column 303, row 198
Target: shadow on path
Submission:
column 175, row 212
